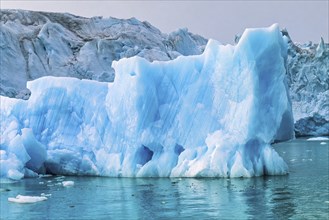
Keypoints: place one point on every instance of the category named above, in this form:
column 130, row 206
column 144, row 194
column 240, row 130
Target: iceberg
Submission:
column 209, row 115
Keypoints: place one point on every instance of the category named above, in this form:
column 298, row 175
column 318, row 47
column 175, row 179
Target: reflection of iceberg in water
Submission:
column 212, row 115
column 283, row 202
column 267, row 198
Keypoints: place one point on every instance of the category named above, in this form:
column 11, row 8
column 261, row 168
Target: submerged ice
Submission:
column 213, row 114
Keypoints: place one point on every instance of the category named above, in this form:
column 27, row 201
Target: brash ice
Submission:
column 208, row 115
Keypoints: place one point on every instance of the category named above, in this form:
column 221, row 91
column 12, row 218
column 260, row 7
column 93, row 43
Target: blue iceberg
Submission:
column 209, row 115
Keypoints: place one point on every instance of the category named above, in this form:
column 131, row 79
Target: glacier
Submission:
column 37, row 44
column 209, row 115
column 308, row 80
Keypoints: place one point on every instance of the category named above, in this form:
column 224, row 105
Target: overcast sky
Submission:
column 221, row 20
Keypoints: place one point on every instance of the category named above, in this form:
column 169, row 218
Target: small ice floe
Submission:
column 45, row 175
column 318, row 139
column 68, row 183
column 305, row 159
column 46, row 195
column 60, row 177
column 27, row 199
column 323, row 143
column 41, row 183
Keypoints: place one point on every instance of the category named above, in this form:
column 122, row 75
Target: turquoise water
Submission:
column 303, row 194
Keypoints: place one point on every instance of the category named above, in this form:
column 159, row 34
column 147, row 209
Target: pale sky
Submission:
column 220, row 20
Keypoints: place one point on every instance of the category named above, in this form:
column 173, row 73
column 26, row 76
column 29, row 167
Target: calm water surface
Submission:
column 303, row 194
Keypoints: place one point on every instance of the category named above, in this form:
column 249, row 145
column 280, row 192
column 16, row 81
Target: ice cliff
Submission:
column 212, row 115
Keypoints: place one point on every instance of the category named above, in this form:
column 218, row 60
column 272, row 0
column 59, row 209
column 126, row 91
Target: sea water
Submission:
column 303, row 194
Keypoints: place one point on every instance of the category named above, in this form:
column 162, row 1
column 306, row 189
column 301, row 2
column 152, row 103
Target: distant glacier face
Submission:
column 308, row 80
column 211, row 115
column 37, row 44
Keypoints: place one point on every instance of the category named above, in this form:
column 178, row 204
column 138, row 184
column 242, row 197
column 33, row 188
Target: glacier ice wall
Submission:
column 308, row 80
column 36, row 44
column 212, row 115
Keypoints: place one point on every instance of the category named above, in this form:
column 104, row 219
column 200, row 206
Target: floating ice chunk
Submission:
column 27, row 199
column 68, row 183
column 46, row 195
column 59, row 178
column 323, row 143
column 45, row 175
column 318, row 139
